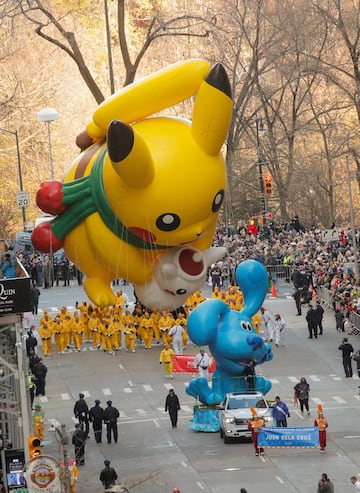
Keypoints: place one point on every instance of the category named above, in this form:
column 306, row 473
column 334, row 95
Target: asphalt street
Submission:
column 153, row 457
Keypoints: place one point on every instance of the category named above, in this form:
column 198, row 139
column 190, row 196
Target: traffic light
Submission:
column 34, row 446
column 267, row 184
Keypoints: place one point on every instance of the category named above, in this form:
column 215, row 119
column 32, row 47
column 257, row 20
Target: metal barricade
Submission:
column 281, row 272
column 354, row 320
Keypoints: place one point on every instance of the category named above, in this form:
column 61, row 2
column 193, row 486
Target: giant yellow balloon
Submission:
column 141, row 202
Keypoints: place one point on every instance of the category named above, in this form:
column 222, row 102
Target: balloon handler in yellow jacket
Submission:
column 322, row 423
column 38, row 416
column 117, row 216
column 166, row 358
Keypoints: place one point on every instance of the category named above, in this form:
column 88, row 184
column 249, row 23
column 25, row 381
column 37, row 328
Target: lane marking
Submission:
column 338, row 399
column 280, row 480
column 148, row 388
column 127, row 390
column 106, row 391
column 293, row 379
column 315, row 378
column 65, row 397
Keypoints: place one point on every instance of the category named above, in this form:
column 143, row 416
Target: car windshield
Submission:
column 245, row 402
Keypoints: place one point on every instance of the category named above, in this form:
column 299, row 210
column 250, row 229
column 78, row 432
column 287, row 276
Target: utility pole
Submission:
column 352, row 222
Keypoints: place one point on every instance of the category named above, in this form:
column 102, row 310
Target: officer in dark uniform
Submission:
column 96, row 415
column 81, row 412
column 78, row 440
column 111, row 415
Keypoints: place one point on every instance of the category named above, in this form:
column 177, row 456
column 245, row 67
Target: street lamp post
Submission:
column 260, row 130
column 15, row 134
column 48, row 115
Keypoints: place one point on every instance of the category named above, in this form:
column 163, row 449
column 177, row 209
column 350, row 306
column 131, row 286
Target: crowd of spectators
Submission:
column 327, row 258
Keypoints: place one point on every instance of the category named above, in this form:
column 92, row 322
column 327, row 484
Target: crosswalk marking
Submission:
column 141, row 411
column 187, row 409
column 127, row 390
column 65, row 397
column 338, row 399
column 316, row 400
column 107, row 392
column 293, row 379
column 314, row 378
column 274, row 380
column 86, row 393
column 148, row 388
column 43, row 399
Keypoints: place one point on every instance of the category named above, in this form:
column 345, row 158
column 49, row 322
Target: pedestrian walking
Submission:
column 356, row 483
column 297, row 298
column 108, row 475
column 166, row 359
column 79, row 440
column 302, row 390
column 312, row 321
column 325, row 485
column 280, row 413
column 321, row 423
column 176, row 333
column 356, row 358
column 96, row 416
column 347, row 352
column 279, row 332
column 172, row 405
column 34, row 298
column 254, row 425
column 111, row 415
column 30, row 342
column 268, row 323
column 339, row 321
column 320, row 315
column 81, row 412
column 202, row 363
column 39, row 371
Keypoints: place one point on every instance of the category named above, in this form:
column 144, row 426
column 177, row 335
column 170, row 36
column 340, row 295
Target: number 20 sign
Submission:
column 22, row 199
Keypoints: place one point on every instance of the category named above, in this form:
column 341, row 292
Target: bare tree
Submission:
column 53, row 29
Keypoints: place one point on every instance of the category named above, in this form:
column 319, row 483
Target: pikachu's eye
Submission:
column 218, row 200
column 168, row 222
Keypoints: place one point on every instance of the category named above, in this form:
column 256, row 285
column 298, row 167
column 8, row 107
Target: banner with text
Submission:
column 289, row 437
column 184, row 363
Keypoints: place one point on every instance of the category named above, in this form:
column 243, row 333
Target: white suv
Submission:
column 235, row 413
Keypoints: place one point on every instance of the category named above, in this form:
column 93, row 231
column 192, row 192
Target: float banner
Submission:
column 289, row 437
column 184, row 363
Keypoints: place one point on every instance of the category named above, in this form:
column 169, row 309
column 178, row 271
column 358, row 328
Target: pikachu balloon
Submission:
column 142, row 199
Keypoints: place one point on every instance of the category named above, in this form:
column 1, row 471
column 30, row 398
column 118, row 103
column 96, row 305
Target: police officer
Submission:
column 108, row 475
column 111, row 415
column 81, row 412
column 96, row 415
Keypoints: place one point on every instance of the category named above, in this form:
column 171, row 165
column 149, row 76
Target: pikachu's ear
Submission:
column 212, row 111
column 129, row 155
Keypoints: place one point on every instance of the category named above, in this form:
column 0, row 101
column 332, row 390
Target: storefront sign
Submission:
column 43, row 475
column 15, row 295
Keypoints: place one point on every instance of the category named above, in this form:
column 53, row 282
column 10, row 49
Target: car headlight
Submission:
column 268, row 419
column 229, row 419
